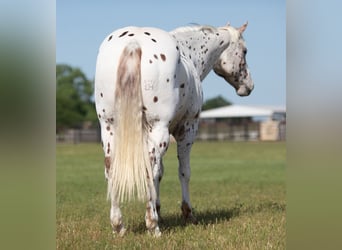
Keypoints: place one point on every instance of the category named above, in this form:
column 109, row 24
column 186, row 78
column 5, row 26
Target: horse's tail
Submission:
column 130, row 172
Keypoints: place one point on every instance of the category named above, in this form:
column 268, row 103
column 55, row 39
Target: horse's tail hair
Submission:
column 130, row 174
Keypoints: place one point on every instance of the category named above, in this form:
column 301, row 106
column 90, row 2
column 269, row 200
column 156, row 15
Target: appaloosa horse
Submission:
column 148, row 86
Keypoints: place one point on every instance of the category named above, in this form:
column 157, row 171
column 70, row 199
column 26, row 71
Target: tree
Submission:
column 215, row 102
column 74, row 103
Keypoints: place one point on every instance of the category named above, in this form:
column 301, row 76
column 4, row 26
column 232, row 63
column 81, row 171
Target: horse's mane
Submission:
column 193, row 27
column 235, row 35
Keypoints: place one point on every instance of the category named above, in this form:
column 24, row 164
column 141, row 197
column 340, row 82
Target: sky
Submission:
column 81, row 26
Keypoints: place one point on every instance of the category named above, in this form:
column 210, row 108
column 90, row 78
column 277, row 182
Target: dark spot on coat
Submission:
column 163, row 57
column 110, row 38
column 147, row 33
column 107, row 163
column 155, row 56
column 101, row 94
column 182, row 85
column 150, row 61
column 154, row 40
column 131, row 34
column 108, row 128
column 124, row 33
column 155, row 99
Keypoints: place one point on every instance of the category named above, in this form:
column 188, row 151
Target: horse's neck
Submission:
column 202, row 48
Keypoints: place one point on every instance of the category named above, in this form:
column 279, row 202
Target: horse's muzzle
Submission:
column 244, row 90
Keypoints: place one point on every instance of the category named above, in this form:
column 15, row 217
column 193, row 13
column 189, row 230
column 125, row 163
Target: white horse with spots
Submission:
column 148, row 86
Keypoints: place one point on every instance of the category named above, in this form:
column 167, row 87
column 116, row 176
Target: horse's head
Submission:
column 232, row 65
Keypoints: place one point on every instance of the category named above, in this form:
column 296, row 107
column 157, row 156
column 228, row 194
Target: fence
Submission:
column 208, row 130
column 243, row 130
column 226, row 130
column 79, row 135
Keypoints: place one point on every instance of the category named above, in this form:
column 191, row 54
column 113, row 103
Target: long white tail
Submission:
column 130, row 172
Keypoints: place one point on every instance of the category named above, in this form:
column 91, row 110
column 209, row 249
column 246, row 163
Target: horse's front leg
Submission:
column 157, row 177
column 184, row 144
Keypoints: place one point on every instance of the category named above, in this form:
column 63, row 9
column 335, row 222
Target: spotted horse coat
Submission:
column 148, row 86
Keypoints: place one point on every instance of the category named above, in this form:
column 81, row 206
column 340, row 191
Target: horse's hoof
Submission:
column 119, row 230
column 187, row 214
column 192, row 220
column 122, row 232
column 155, row 232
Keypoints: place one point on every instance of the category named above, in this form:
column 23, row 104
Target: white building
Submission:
column 240, row 122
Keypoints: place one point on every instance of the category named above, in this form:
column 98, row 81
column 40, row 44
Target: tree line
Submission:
column 74, row 98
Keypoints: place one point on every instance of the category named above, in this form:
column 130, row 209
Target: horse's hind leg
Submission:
column 115, row 212
column 107, row 131
column 116, row 219
column 158, row 143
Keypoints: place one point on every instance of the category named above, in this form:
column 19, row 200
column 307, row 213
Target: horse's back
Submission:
column 159, row 63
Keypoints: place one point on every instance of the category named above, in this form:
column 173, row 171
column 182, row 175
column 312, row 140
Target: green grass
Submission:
column 237, row 192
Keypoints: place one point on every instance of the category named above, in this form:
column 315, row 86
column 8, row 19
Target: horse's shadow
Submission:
column 170, row 222
column 206, row 217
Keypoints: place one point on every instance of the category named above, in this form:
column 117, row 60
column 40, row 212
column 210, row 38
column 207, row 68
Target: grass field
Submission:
column 237, row 192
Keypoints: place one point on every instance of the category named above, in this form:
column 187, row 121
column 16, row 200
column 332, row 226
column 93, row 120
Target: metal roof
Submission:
column 241, row 111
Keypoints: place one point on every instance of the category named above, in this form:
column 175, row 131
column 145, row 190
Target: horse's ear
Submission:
column 243, row 27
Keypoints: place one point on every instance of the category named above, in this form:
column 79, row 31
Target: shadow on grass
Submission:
column 170, row 222
column 174, row 221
